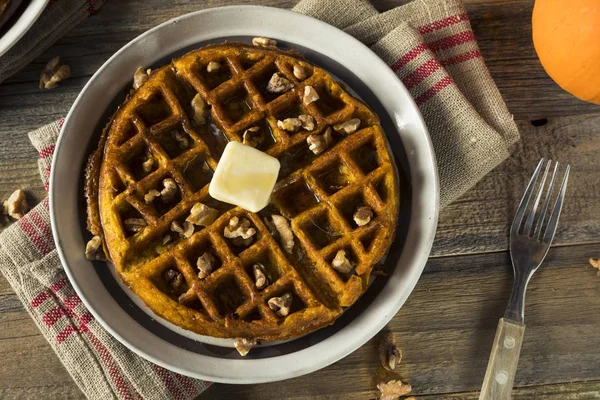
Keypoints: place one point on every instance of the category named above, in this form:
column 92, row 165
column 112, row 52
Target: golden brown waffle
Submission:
column 318, row 194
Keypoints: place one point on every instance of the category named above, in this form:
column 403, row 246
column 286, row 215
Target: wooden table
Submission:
column 447, row 325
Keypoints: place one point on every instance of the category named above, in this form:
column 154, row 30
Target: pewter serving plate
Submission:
column 125, row 317
column 22, row 23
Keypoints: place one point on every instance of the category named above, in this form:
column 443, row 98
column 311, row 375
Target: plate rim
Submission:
column 431, row 186
column 22, row 25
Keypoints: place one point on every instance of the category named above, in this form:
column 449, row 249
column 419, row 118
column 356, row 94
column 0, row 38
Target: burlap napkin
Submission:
column 430, row 45
column 100, row 365
column 59, row 17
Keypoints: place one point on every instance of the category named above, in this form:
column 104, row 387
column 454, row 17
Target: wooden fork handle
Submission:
column 502, row 366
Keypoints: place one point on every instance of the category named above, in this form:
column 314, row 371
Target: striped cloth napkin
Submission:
column 431, row 47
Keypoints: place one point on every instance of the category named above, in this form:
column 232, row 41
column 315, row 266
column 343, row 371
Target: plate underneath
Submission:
column 185, row 352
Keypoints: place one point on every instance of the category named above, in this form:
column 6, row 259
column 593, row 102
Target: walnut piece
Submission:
column 281, row 305
column 186, row 231
column 310, row 95
column 16, row 206
column 595, row 264
column 389, row 352
column 260, row 279
column 285, row 232
column 300, row 72
column 213, row 66
column 169, row 190
column 148, row 163
column 166, row 240
column 362, row 216
column 53, row 73
column 393, row 389
column 279, row 84
column 93, row 249
column 174, row 279
column 134, row 224
column 319, row 143
column 307, row 121
column 200, row 109
column 290, row 124
column 206, row 263
column 239, row 231
column 252, row 137
column 264, row 42
column 202, row 215
column 244, row 345
column 347, row 127
column 182, row 141
column 151, row 195
column 140, row 76
column 341, row 263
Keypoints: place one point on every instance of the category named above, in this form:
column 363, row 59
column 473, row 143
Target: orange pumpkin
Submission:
column 566, row 36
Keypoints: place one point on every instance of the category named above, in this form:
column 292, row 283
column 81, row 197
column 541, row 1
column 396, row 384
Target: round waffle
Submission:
column 157, row 136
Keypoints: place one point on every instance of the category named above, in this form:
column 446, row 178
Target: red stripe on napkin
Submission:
column 432, row 91
column 443, row 23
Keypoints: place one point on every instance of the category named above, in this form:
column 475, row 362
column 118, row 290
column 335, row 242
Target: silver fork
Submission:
column 528, row 248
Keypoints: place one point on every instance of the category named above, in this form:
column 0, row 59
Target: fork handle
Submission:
column 502, row 366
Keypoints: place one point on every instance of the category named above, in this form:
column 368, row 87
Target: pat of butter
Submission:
column 244, row 177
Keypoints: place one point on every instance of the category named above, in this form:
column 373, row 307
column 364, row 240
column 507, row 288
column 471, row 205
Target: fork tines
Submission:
column 535, row 219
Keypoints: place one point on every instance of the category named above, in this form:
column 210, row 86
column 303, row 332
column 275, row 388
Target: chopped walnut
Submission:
column 362, row 216
column 151, row 195
column 595, row 264
column 264, row 42
column 139, row 77
column 186, row 231
column 202, row 215
column 174, row 279
column 93, row 249
column 200, row 109
column 307, row 121
column 260, row 278
column 285, row 232
column 182, row 141
column 341, row 263
column 16, row 206
column 166, row 240
column 392, row 390
column 134, row 224
column 239, row 231
column 310, row 95
column 213, row 66
column 53, row 73
column 252, row 137
column 319, row 143
column 347, row 127
column 279, row 84
column 389, row 352
column 169, row 190
column 148, row 163
column 243, row 345
column 290, row 124
column 206, row 263
column 300, row 72
column 281, row 305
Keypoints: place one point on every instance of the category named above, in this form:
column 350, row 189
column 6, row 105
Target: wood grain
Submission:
column 480, row 219
column 447, row 326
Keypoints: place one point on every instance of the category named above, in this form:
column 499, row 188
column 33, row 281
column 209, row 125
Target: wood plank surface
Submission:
column 447, row 326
